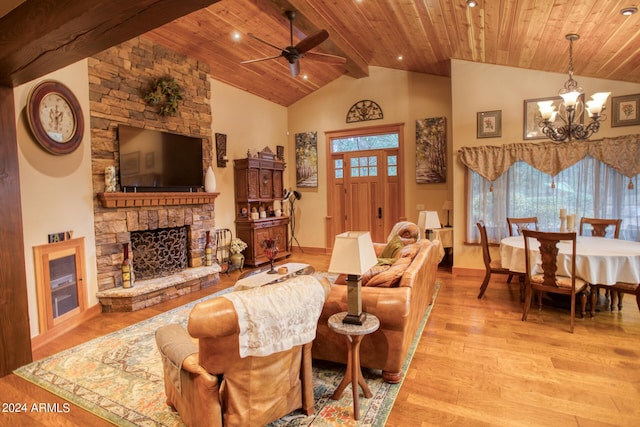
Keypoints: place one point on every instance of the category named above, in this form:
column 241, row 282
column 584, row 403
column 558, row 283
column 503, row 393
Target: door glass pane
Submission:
column 368, row 142
column 373, row 160
column 338, row 168
column 373, row 171
column 392, row 165
column 355, row 172
column 353, row 162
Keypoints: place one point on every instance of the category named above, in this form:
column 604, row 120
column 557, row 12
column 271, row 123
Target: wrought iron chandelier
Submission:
column 572, row 108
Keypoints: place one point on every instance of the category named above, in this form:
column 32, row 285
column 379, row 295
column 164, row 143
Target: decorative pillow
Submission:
column 390, row 278
column 373, row 271
column 393, row 247
column 409, row 251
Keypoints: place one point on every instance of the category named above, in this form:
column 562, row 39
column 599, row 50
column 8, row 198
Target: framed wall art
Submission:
column 307, row 160
column 532, row 118
column 489, row 124
column 431, row 150
column 624, row 110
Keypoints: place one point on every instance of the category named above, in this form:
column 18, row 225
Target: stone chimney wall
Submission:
column 118, row 79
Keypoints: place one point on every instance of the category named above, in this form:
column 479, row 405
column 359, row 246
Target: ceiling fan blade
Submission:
column 265, row 42
column 260, row 59
column 312, row 41
column 325, row 57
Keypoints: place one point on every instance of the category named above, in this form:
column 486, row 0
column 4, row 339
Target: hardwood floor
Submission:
column 477, row 363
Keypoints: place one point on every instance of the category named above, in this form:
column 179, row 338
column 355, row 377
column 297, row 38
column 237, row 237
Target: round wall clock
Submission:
column 55, row 117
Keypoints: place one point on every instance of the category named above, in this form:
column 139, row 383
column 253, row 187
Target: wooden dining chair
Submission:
column 548, row 280
column 599, row 226
column 618, row 290
column 491, row 266
column 518, row 224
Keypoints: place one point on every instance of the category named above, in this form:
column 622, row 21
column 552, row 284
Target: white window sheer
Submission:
column 590, row 188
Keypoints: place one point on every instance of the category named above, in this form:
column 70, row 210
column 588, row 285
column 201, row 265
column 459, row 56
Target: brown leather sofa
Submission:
column 209, row 384
column 400, row 310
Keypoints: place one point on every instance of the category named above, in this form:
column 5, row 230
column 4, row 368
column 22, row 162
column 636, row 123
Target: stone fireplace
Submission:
column 167, row 231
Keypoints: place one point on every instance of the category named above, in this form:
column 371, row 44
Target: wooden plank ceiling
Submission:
column 426, row 33
column 39, row 36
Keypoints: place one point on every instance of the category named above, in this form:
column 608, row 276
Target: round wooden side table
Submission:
column 353, row 374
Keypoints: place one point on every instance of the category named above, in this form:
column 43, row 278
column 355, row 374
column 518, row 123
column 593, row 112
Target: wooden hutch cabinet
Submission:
column 258, row 184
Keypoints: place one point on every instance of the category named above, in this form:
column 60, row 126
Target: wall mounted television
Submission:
column 152, row 160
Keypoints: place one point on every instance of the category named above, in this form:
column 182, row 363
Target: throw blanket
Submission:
column 277, row 317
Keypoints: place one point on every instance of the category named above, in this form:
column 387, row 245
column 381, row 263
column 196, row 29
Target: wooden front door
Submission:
column 365, row 191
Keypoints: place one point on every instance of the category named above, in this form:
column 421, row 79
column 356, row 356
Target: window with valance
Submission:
column 589, row 178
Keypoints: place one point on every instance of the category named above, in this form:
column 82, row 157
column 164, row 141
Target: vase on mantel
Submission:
column 210, row 181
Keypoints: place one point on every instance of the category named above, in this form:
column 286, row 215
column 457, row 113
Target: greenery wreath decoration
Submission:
column 166, row 93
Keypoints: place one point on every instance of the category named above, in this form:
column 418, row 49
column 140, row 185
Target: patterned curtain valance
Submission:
column 621, row 153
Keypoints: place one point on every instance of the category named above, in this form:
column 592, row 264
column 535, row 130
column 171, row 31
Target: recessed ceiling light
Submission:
column 400, row 57
column 628, row 11
column 304, row 76
column 236, row 35
column 472, row 3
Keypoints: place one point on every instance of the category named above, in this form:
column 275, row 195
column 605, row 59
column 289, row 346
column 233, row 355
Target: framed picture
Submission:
column 431, row 150
column 307, row 159
column 490, row 124
column 532, row 118
column 625, row 110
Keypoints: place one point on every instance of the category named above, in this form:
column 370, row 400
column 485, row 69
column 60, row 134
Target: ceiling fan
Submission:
column 293, row 53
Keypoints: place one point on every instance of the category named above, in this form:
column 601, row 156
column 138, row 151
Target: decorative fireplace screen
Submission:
column 160, row 252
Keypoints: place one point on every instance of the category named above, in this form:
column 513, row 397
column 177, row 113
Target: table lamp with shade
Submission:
column 447, row 206
column 353, row 255
column 427, row 221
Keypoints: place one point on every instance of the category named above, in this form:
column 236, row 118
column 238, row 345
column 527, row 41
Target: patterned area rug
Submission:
column 119, row 377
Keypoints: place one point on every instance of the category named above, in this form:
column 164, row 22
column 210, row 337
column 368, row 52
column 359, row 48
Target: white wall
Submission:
column 56, row 191
column 250, row 123
column 480, row 87
column 404, row 97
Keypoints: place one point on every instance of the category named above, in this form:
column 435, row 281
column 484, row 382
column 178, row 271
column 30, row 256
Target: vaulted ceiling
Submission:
column 425, row 33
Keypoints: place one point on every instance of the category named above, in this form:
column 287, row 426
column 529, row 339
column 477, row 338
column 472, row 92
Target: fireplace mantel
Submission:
column 129, row 200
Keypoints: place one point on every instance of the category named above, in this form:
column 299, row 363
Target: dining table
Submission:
column 599, row 260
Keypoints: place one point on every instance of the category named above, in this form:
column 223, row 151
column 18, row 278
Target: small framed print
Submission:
column 532, row 118
column 625, row 110
column 490, row 124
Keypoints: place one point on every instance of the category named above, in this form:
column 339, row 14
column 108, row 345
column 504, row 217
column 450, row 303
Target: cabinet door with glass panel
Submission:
column 59, row 281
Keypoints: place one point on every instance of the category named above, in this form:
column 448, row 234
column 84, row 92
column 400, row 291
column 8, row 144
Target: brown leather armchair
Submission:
column 209, row 384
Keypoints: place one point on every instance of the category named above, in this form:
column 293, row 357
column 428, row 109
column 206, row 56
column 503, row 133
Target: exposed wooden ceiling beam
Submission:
column 41, row 36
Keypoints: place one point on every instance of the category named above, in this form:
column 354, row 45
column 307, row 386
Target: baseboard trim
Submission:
column 53, row 333
column 467, row 272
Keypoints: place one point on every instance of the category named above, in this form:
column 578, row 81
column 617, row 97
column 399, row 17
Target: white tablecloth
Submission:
column 599, row 260
column 445, row 235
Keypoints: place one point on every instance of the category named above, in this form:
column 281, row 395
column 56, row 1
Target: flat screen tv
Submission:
column 152, row 160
